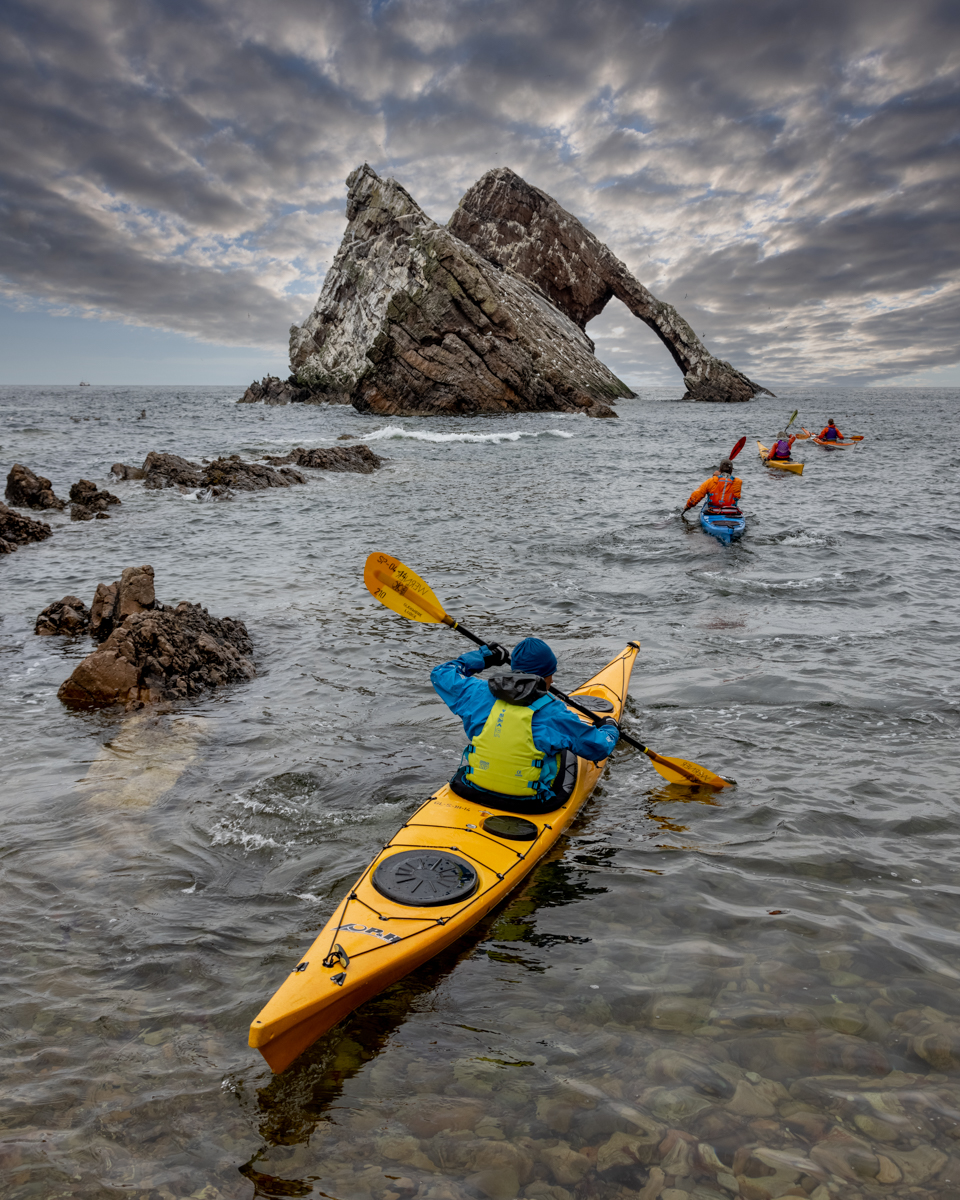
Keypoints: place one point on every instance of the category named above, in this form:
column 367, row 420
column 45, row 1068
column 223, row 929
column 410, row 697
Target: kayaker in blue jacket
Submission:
column 523, row 742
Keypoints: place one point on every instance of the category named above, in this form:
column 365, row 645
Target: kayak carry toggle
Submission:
column 336, row 955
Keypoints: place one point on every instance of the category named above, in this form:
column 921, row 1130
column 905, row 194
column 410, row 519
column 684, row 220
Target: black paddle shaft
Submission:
column 560, row 695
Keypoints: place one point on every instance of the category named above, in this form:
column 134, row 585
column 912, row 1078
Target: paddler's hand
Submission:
column 495, row 655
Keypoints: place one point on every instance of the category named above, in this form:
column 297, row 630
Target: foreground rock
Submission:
column 88, row 502
column 521, row 228
column 26, row 490
column 69, row 616
column 359, row 458
column 412, row 320
column 17, row 530
column 155, row 652
column 217, row 478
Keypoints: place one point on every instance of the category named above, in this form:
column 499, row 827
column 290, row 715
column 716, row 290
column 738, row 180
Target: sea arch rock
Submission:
column 412, row 320
column 516, row 225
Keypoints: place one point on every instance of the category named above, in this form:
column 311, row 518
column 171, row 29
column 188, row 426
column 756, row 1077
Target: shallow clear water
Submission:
column 162, row 873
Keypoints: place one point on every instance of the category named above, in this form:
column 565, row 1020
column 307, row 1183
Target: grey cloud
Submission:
column 790, row 167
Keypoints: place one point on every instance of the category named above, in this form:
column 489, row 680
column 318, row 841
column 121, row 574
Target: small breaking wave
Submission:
column 423, row 435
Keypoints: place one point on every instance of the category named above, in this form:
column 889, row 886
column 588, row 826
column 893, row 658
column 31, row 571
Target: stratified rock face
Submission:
column 523, row 229
column 411, row 320
column 26, row 490
column 69, row 616
column 153, row 652
column 88, row 502
column 359, row 458
column 17, row 530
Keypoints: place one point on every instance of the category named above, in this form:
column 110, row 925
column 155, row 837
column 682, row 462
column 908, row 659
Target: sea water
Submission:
column 797, row 936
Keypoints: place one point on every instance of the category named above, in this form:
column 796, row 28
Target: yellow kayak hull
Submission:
column 383, row 940
column 794, row 467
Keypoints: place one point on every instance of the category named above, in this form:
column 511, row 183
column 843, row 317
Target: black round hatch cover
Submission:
column 594, row 703
column 514, row 828
column 424, row 878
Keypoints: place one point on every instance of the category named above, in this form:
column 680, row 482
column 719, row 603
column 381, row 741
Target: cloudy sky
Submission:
column 785, row 172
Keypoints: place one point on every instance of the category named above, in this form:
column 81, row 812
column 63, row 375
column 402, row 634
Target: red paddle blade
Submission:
column 737, row 448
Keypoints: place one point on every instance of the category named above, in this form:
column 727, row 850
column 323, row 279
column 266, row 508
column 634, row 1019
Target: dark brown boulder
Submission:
column 133, row 592
column 170, row 470
column 155, row 652
column 522, row 229
column 411, row 320
column 359, row 458
column 242, row 476
column 17, row 530
column 122, row 471
column 26, row 490
column 87, row 501
column 68, row 616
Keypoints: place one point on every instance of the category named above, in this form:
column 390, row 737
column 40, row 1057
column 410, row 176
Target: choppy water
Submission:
column 776, row 968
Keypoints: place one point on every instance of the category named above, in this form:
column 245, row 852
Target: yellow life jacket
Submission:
column 503, row 757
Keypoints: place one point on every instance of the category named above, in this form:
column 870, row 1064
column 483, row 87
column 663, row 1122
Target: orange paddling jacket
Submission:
column 722, row 491
column 828, row 429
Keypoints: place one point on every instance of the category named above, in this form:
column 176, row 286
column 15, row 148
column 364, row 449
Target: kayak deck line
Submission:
column 328, row 982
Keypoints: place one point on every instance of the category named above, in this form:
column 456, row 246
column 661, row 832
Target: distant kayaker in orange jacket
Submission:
column 830, row 433
column 721, row 490
column 780, row 450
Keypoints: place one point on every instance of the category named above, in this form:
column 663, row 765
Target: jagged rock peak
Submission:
column 516, row 225
column 412, row 320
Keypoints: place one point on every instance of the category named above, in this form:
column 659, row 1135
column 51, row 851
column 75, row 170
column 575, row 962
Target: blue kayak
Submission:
column 727, row 526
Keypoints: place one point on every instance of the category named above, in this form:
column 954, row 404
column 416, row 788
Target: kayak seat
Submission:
column 558, row 795
column 726, row 511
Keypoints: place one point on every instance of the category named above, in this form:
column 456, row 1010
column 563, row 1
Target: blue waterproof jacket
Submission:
column 554, row 727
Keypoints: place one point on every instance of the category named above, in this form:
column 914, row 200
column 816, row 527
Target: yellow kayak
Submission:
column 446, row 868
column 795, row 467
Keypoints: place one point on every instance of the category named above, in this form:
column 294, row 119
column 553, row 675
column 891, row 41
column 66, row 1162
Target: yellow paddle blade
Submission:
column 681, row 770
column 401, row 589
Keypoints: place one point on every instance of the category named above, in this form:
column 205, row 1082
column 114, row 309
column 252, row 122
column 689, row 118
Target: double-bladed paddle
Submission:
column 402, row 590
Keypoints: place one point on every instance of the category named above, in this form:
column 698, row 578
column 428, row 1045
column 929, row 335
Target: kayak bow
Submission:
column 466, row 859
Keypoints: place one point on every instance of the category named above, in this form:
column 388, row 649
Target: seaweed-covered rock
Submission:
column 17, row 530
column 68, row 616
column 358, row 458
column 88, row 502
column 27, row 490
column 157, row 653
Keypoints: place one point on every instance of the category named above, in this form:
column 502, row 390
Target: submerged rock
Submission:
column 358, row 458
column 123, row 471
column 67, row 616
column 412, row 320
column 26, row 490
column 154, row 652
column 88, row 502
column 521, row 228
column 17, row 530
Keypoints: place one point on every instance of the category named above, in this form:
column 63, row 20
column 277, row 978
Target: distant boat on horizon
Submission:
column 83, row 383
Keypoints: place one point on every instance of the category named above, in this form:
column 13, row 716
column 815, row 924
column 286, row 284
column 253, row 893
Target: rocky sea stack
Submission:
column 486, row 314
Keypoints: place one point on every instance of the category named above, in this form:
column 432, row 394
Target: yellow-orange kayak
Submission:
column 795, row 467
column 445, row 869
